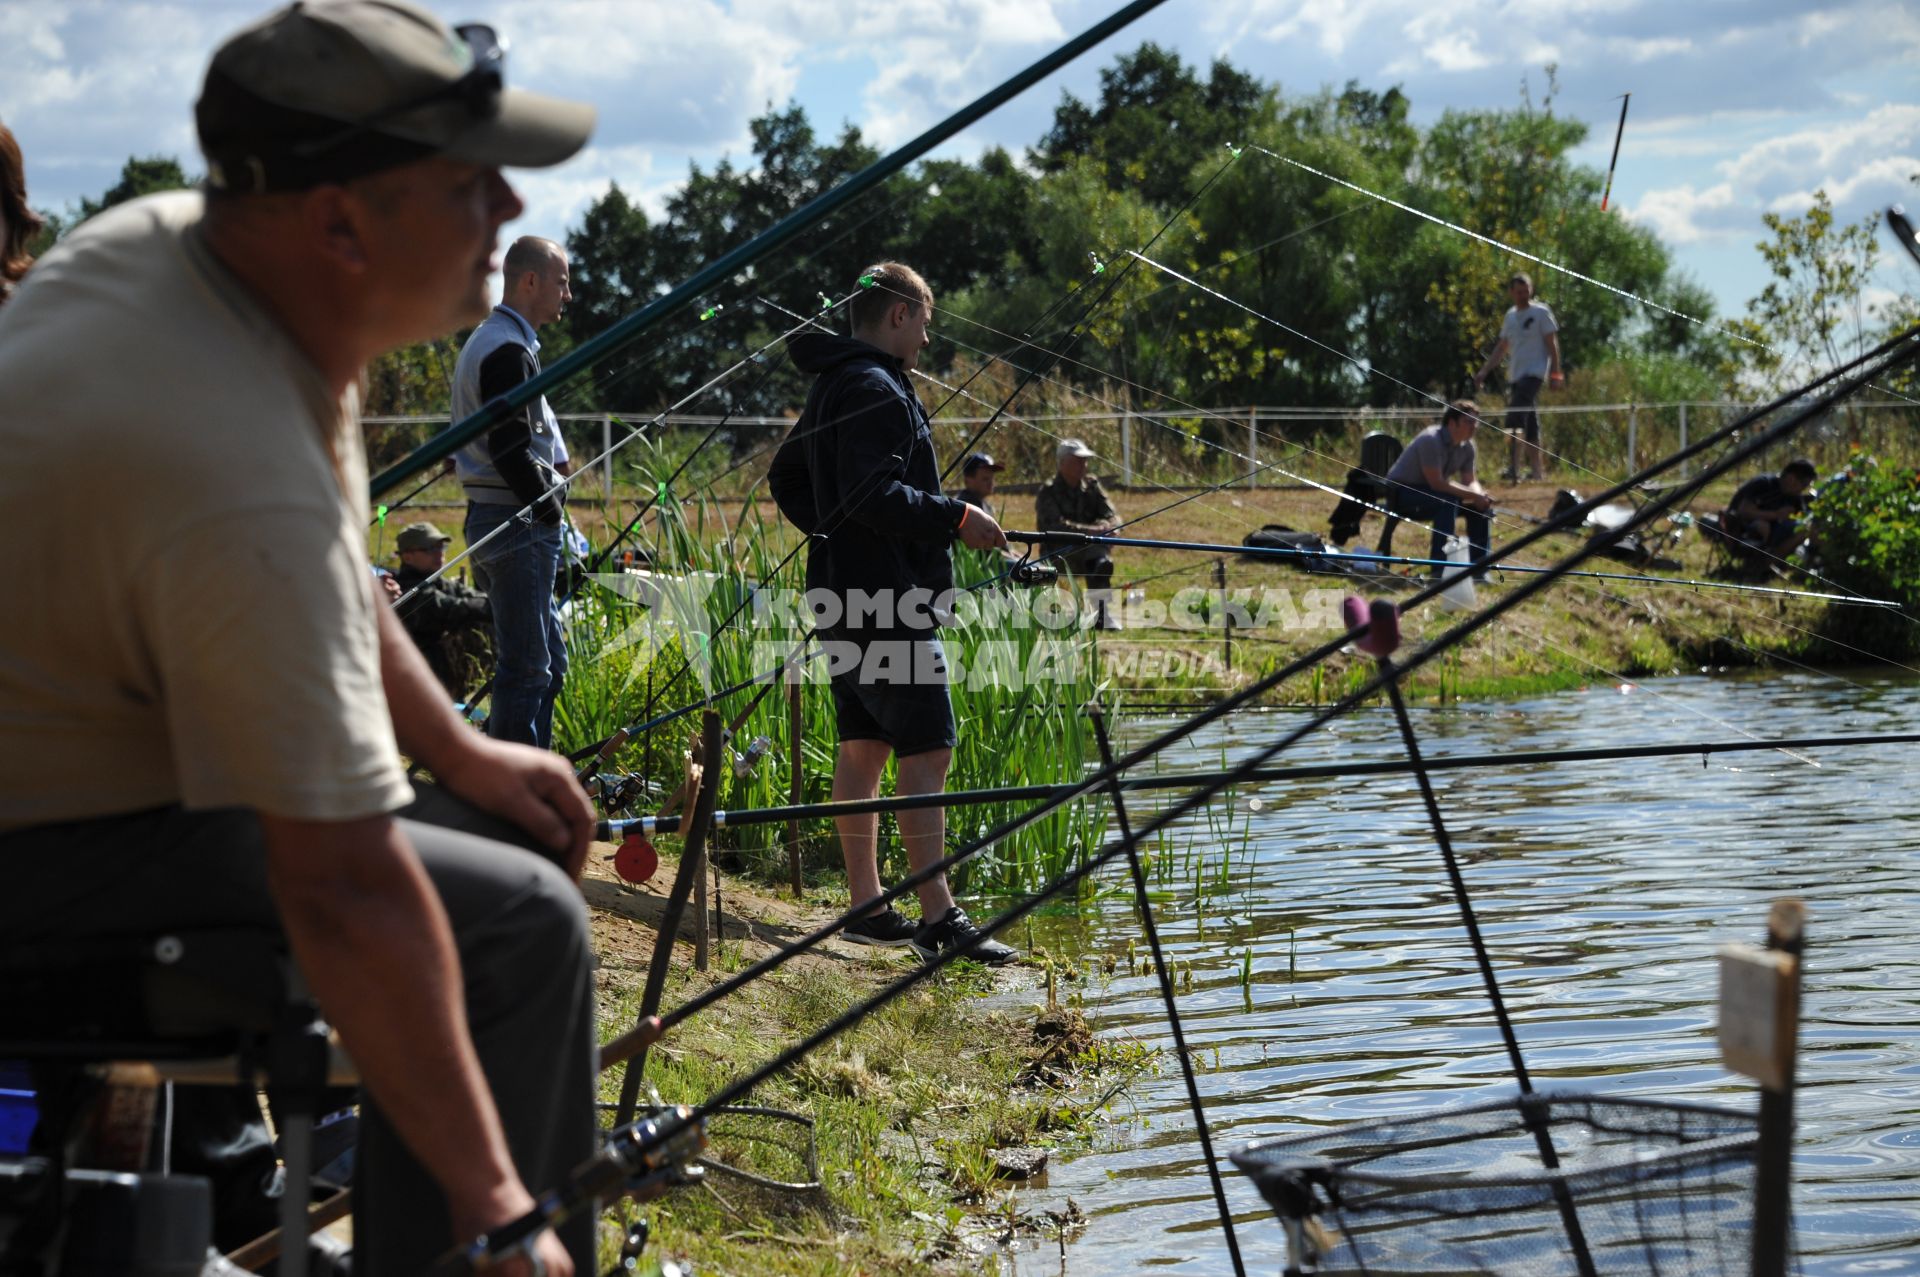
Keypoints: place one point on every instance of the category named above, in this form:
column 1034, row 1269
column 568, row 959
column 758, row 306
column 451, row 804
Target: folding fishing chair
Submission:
column 217, row 1007
column 1366, row 485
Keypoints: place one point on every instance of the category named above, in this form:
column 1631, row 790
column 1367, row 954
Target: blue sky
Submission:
column 1738, row 108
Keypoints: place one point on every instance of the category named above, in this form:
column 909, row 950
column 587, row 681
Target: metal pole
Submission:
column 1126, row 450
column 1633, row 435
column 1253, row 446
column 1685, row 468
column 725, row 267
column 1773, row 1170
column 606, row 459
column 795, row 784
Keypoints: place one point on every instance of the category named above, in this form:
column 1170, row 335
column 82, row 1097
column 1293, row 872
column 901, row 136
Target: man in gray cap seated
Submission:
column 252, row 708
column 1073, row 501
column 446, row 619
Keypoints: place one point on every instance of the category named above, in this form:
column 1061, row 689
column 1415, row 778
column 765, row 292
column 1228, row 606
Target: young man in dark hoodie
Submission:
column 858, row 476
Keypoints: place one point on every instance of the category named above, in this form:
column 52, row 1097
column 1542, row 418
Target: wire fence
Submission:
column 1269, row 446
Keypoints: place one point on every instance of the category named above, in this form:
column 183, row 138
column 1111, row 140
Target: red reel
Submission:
column 636, row 860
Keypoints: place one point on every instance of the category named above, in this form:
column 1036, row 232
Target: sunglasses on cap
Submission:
column 479, row 89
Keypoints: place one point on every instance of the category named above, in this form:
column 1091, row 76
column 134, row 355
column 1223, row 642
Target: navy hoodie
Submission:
column 857, row 474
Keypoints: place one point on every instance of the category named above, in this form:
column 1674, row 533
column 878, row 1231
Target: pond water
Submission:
column 1604, row 890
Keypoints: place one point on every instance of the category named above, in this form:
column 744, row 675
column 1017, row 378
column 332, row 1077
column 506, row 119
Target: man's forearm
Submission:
column 358, row 908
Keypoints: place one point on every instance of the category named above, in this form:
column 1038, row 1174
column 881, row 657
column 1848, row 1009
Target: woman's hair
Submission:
column 22, row 222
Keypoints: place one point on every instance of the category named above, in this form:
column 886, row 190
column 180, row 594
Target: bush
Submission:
column 1866, row 525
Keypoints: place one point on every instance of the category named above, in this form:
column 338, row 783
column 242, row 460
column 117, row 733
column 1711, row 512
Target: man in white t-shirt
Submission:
column 1530, row 343
column 249, row 709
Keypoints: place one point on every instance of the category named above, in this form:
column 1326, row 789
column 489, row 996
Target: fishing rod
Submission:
column 1887, row 354
column 1282, row 552
column 1619, row 132
column 496, row 411
column 609, row 830
column 1361, row 631
column 845, row 511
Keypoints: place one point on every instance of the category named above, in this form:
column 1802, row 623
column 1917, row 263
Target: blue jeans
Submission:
column 1428, row 506
column 530, row 651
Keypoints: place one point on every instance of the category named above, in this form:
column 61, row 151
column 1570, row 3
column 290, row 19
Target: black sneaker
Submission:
column 889, row 929
column 957, row 932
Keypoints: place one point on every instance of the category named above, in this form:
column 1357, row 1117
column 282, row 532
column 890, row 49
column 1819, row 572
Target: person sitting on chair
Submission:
column 1073, row 501
column 448, row 621
column 1763, row 512
column 1435, row 479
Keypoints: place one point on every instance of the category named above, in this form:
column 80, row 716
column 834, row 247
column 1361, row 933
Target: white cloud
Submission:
column 1862, row 165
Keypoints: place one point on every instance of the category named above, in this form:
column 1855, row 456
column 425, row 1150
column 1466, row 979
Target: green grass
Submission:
column 908, row 1107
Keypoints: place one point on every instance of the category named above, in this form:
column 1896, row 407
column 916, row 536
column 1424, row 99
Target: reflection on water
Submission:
column 1603, row 889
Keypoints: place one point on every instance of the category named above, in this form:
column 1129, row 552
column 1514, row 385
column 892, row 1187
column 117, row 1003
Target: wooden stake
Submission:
column 1773, row 1173
column 795, row 790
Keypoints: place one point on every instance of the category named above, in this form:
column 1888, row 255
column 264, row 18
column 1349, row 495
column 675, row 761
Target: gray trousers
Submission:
column 525, row 956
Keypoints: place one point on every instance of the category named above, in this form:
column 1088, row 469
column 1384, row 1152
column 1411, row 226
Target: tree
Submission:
column 1155, row 121
column 1812, row 314
column 140, row 175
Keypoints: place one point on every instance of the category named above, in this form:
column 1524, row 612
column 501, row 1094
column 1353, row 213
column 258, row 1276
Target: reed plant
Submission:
column 1019, row 695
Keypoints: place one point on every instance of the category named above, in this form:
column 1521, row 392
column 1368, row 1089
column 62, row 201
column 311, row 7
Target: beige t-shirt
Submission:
column 189, row 610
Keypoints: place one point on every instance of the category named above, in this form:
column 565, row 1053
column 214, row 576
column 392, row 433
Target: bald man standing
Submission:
column 510, row 469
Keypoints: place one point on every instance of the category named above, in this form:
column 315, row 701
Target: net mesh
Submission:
column 1648, row 1187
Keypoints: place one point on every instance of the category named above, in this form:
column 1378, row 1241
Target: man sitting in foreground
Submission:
column 252, row 708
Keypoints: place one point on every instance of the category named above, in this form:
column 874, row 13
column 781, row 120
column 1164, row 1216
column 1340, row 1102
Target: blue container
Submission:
column 18, row 1111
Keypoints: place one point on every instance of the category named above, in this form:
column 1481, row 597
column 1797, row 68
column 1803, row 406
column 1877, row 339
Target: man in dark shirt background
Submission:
column 858, row 477
column 1765, row 510
column 977, row 475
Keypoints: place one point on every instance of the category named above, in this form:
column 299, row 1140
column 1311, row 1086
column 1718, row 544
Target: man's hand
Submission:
column 981, row 531
column 1556, row 379
column 532, row 788
column 549, row 1256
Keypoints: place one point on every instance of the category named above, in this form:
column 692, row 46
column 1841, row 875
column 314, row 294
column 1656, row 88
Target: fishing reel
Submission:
column 615, row 791
column 659, row 1152
column 745, row 763
column 1033, row 572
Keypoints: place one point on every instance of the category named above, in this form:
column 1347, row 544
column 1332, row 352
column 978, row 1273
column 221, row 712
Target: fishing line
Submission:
column 1143, row 901
column 1761, row 439
column 1703, row 749
column 1372, row 370
column 524, row 514
column 789, row 1056
column 1543, row 1141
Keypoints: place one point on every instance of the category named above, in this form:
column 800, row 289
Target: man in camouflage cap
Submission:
column 447, row 619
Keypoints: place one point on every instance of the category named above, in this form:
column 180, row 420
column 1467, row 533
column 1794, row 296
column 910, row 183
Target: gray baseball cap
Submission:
column 420, row 536
column 1072, row 448
column 329, row 90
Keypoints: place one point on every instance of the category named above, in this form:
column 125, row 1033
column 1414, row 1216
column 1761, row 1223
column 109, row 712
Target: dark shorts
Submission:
column 1521, row 417
column 891, row 689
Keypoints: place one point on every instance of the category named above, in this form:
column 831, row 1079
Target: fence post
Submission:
column 1226, row 614
column 606, row 457
column 1633, row 436
column 1126, row 449
column 1686, row 467
column 1253, row 446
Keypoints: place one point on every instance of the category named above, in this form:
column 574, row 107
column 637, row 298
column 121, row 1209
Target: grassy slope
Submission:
column 908, row 1105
